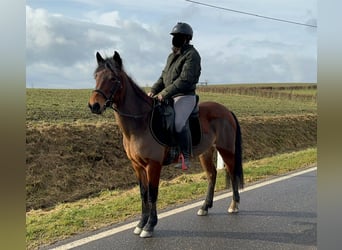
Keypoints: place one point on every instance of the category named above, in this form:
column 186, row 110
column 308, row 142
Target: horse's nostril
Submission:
column 95, row 108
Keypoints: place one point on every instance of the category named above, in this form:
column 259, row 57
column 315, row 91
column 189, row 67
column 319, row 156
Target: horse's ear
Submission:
column 99, row 58
column 117, row 59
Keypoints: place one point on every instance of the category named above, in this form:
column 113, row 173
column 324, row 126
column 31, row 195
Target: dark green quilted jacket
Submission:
column 180, row 75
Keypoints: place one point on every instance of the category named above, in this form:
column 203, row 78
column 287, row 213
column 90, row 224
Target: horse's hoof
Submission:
column 146, row 234
column 137, row 230
column 233, row 208
column 202, row 212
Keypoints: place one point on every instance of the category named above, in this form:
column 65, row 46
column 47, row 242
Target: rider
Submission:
column 178, row 81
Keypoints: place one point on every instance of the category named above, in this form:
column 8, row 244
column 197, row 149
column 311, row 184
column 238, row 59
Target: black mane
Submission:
column 137, row 89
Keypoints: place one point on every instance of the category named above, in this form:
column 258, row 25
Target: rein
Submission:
column 127, row 114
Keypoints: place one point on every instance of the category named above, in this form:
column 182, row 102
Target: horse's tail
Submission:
column 238, row 171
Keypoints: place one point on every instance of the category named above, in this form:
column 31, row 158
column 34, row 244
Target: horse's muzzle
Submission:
column 95, row 108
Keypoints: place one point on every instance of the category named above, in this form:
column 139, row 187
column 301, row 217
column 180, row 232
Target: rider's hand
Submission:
column 160, row 97
column 150, row 94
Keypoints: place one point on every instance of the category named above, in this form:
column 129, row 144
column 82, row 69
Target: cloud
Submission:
column 267, row 69
column 60, row 50
column 57, row 46
column 109, row 18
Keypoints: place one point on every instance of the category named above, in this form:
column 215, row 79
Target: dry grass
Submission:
column 66, row 162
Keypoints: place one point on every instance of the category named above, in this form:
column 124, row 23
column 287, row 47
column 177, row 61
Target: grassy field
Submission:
column 75, row 162
column 68, row 105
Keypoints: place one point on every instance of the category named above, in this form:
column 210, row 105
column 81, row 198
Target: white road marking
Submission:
column 172, row 212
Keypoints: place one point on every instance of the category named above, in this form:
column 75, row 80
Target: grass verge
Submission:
column 110, row 207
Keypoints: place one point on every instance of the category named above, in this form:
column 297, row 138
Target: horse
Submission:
column 132, row 110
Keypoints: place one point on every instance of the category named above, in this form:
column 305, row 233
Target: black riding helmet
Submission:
column 182, row 28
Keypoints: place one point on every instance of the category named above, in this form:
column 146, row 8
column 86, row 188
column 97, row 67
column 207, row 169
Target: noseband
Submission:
column 116, row 85
column 109, row 100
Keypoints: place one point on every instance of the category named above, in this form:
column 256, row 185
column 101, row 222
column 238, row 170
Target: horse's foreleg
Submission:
column 152, row 216
column 207, row 163
column 145, row 209
column 153, row 173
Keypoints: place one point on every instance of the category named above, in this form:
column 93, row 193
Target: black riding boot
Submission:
column 185, row 144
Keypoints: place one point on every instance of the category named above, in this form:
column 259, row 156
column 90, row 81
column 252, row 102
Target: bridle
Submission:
column 115, row 87
column 109, row 101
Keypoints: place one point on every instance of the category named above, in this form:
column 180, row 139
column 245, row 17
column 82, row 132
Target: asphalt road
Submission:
column 278, row 215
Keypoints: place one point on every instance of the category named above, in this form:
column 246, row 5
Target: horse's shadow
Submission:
column 306, row 236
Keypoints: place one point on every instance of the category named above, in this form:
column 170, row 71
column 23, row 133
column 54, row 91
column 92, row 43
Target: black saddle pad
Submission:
column 165, row 136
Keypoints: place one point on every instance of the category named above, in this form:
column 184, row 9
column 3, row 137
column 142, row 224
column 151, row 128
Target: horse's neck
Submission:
column 133, row 112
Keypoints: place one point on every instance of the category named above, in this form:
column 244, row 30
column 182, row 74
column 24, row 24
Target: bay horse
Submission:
column 132, row 110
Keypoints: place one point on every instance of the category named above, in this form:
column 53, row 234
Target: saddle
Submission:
column 162, row 123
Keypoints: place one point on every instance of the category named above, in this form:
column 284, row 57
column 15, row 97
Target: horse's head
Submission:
column 108, row 82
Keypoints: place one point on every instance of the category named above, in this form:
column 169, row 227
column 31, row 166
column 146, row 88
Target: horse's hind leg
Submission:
column 208, row 166
column 234, row 205
column 229, row 160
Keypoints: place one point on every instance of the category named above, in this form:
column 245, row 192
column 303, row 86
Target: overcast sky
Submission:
column 63, row 36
